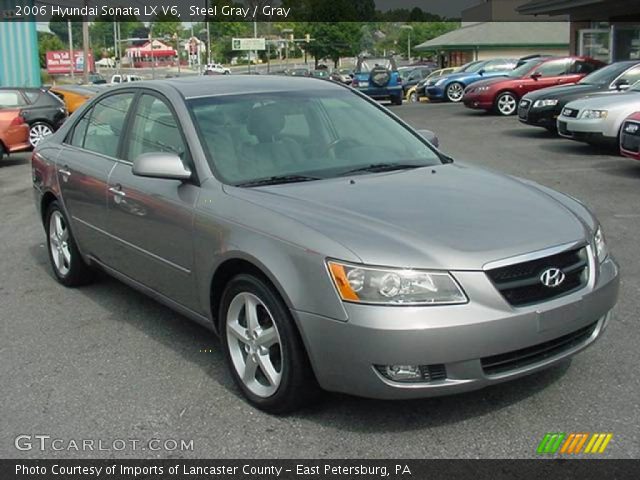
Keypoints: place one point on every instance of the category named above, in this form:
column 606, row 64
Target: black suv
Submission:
column 41, row 109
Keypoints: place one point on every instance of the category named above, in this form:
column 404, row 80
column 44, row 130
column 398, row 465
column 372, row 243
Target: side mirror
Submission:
column 430, row 137
column 621, row 84
column 536, row 75
column 481, row 71
column 161, row 165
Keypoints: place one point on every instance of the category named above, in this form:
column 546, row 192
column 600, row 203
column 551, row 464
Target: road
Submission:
column 104, row 362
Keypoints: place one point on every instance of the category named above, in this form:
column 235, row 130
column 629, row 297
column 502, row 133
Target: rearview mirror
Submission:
column 622, row 84
column 161, row 165
column 430, row 137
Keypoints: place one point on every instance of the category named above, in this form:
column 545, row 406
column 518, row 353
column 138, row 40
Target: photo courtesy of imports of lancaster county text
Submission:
column 313, row 239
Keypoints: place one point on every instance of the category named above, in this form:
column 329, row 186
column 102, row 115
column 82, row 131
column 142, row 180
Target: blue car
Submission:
column 451, row 87
column 379, row 79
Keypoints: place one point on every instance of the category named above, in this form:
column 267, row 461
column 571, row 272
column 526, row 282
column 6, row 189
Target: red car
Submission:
column 503, row 94
column 630, row 137
column 14, row 131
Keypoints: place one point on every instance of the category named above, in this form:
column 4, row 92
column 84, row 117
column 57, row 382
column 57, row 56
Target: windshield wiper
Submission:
column 383, row 167
column 276, row 180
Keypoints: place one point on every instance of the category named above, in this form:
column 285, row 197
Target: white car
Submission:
column 217, row 68
column 125, row 78
column 599, row 118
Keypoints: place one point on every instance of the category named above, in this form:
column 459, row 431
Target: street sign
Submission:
column 248, row 44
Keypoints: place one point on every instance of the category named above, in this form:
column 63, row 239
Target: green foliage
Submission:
column 101, row 31
column 58, row 25
column 334, row 40
column 48, row 42
column 166, row 25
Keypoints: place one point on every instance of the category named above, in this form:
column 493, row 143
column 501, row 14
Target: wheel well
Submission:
column 47, row 198
column 224, row 273
column 515, row 95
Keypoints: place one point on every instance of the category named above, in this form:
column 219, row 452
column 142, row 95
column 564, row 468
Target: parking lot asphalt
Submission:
column 105, row 363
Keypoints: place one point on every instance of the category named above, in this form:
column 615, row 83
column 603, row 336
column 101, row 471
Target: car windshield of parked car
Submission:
column 524, row 68
column 318, row 134
column 604, row 75
column 635, row 87
column 471, row 66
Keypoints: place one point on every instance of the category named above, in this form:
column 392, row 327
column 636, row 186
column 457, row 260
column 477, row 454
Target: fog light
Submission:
column 401, row 373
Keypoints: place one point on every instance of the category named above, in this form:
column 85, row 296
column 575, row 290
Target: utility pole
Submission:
column 206, row 22
column 72, row 63
column 153, row 60
column 85, row 45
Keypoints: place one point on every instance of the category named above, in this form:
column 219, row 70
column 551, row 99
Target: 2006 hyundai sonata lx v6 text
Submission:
column 327, row 242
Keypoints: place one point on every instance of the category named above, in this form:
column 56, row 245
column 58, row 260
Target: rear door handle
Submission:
column 64, row 171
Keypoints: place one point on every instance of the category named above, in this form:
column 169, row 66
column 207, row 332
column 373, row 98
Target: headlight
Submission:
column 545, row 102
column 390, row 286
column 482, row 89
column 601, row 245
column 593, row 114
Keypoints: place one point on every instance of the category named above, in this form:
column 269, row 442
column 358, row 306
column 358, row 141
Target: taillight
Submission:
column 17, row 120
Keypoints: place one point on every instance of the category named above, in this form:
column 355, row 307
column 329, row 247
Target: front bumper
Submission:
column 539, row 117
column 478, row 101
column 435, row 93
column 582, row 130
column 343, row 354
column 630, row 141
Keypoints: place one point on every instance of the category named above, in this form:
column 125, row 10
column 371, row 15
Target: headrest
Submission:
column 265, row 122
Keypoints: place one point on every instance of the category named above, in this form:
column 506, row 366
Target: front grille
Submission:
column 521, row 285
column 523, row 109
column 516, row 359
column 570, row 112
column 433, row 373
column 630, row 140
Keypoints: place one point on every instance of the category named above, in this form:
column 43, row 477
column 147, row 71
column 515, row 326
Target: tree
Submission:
column 334, row 40
column 166, row 25
column 58, row 25
column 48, row 42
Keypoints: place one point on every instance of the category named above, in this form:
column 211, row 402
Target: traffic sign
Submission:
column 248, row 44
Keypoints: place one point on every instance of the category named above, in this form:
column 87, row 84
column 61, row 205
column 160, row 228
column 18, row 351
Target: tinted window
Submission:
column 32, row 95
column 105, row 124
column 580, row 66
column 553, row 68
column 11, row 98
column 79, row 131
column 154, row 129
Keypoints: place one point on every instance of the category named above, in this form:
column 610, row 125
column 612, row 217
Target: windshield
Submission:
column 471, row 66
column 524, row 68
column 604, row 75
column 635, row 87
column 317, row 133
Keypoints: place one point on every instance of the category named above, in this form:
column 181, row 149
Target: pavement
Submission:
column 107, row 364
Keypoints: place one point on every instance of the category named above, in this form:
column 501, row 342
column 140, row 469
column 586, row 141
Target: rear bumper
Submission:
column 383, row 93
column 460, row 339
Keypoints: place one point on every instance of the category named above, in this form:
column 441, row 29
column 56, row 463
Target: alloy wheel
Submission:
column 37, row 132
column 59, row 243
column 254, row 344
column 507, row 104
column 455, row 91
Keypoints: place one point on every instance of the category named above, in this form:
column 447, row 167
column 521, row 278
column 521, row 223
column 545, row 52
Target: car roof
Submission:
column 192, row 87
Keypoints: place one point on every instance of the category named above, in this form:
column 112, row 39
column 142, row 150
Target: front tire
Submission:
column 455, row 92
column 506, row 104
column 67, row 263
column 38, row 131
column 263, row 348
column 413, row 97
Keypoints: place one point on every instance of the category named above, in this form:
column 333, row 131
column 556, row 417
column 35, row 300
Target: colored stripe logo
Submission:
column 574, row 443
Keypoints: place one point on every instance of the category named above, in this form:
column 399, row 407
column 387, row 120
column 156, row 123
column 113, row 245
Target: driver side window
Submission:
column 553, row 68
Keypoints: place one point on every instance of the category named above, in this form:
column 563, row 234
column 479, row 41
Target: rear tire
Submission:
column 67, row 263
column 263, row 348
column 2, row 152
column 413, row 97
column 38, row 131
column 396, row 100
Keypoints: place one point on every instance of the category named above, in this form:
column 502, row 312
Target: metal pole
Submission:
column 409, row 47
column 153, row 63
column 119, row 57
column 72, row 62
column 85, row 45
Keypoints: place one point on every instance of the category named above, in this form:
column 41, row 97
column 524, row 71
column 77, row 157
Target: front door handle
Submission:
column 65, row 172
column 117, row 191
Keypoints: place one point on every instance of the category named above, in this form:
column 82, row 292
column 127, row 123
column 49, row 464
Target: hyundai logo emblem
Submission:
column 552, row 277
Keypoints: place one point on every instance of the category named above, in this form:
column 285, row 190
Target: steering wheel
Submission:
column 344, row 143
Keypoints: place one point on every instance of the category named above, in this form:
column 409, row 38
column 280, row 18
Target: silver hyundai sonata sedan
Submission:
column 327, row 242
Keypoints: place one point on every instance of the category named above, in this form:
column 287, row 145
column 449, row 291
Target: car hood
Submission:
column 561, row 91
column 445, row 217
column 494, row 81
column 608, row 100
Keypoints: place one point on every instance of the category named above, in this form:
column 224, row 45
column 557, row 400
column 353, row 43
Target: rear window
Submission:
column 369, row 64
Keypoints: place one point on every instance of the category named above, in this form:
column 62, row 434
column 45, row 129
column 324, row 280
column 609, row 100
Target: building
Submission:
column 484, row 40
column 19, row 60
column 148, row 52
column 608, row 30
column 500, row 11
